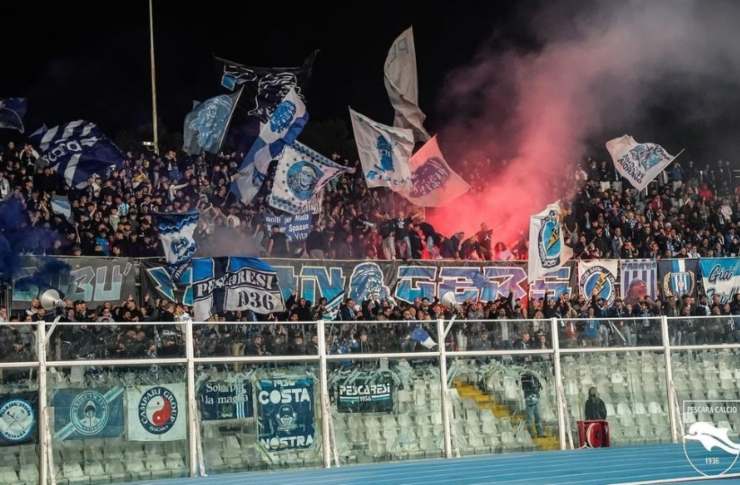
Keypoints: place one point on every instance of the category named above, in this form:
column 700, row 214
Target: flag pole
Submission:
column 154, row 79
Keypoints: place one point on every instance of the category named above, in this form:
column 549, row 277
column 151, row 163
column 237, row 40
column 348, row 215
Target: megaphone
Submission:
column 51, row 300
column 449, row 300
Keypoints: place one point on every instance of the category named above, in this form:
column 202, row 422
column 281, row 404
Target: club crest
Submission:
column 302, row 179
column 548, row 241
column 282, row 117
column 709, row 444
column 598, row 281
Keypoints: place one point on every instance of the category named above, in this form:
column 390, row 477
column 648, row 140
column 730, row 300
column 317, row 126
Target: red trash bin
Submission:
column 593, row 434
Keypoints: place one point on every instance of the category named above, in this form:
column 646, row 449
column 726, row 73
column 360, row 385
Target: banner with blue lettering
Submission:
column 228, row 399
column 678, row 277
column 720, row 276
column 295, row 227
column 18, row 418
column 365, row 392
column 285, row 413
column 88, row 413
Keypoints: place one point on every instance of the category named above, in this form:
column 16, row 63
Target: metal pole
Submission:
column 445, row 395
column 559, row 397
column 154, row 79
column 669, row 377
column 192, row 406
column 324, row 398
column 43, row 424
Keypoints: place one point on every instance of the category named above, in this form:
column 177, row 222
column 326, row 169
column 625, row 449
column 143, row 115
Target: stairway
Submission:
column 502, row 411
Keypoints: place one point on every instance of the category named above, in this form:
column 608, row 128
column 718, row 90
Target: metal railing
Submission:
column 323, row 357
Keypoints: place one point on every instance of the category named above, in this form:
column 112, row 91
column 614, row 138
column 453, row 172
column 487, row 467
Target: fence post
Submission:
column 559, row 397
column 669, row 377
column 324, row 397
column 445, row 394
column 43, row 423
column 192, row 404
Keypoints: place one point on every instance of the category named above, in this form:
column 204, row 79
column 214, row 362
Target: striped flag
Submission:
column 639, row 278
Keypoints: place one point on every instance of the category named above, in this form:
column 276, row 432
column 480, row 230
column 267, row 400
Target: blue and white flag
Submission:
column 88, row 413
column 384, row 152
column 598, row 278
column 720, row 276
column 678, row 277
column 295, row 227
column 234, row 284
column 547, row 249
column 230, row 399
column 60, row 205
column 285, row 416
column 12, row 112
column 365, row 392
column 433, row 182
column 639, row 163
column 301, row 175
column 285, row 124
column 639, row 278
column 422, row 336
column 176, row 233
column 77, row 150
column 206, row 125
column 18, row 418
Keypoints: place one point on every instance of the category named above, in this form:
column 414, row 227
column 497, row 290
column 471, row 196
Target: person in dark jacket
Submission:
column 595, row 407
column 531, row 388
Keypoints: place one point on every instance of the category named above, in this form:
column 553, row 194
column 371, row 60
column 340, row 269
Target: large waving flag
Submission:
column 301, row 175
column 283, row 127
column 77, row 150
column 639, row 163
column 433, row 183
column 176, row 233
column 12, row 112
column 384, row 152
column 402, row 84
column 206, row 125
column 547, row 249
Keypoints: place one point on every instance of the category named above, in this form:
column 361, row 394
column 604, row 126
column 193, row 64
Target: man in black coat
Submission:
column 595, row 408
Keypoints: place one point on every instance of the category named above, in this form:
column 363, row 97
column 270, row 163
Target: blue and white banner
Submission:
column 12, row 112
column 547, row 249
column 234, row 284
column 285, row 413
column 229, row 399
column 206, row 125
column 720, row 276
column 176, row 233
column 365, row 392
column 88, row 413
column 156, row 413
column 285, row 124
column 18, row 418
column 639, row 279
column 301, row 176
column 433, row 183
column 384, row 152
column 77, row 151
column 639, row 163
column 598, row 278
column 60, row 205
column 678, row 277
column 295, row 227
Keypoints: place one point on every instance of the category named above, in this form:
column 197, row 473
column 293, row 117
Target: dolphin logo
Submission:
column 712, row 437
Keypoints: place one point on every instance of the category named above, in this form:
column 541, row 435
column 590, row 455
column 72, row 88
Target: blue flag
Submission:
column 18, row 418
column 721, row 277
column 423, row 337
column 206, row 125
column 176, row 233
column 77, row 150
column 12, row 112
column 283, row 127
column 286, row 413
column 88, row 413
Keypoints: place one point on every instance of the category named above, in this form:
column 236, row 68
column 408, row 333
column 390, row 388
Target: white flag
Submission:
column 384, row 152
column 402, row 84
column 433, row 183
column 598, row 278
column 157, row 413
column 547, row 249
column 301, row 175
column 60, row 205
column 639, row 163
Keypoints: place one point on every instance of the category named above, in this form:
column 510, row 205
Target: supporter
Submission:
column 594, row 407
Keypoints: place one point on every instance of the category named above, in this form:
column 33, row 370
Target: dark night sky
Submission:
column 91, row 60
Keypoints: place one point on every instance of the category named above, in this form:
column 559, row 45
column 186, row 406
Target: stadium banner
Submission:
column 401, row 280
column 547, row 249
column 720, row 276
column 639, row 278
column 176, row 235
column 285, row 413
column 18, row 418
column 433, row 182
column 88, row 413
column 93, row 280
column 598, row 278
column 225, row 399
column 295, row 227
column 365, row 392
column 677, row 277
column 156, row 413
column 639, row 163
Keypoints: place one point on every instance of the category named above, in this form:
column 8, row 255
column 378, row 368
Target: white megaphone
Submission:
column 449, row 300
column 51, row 300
